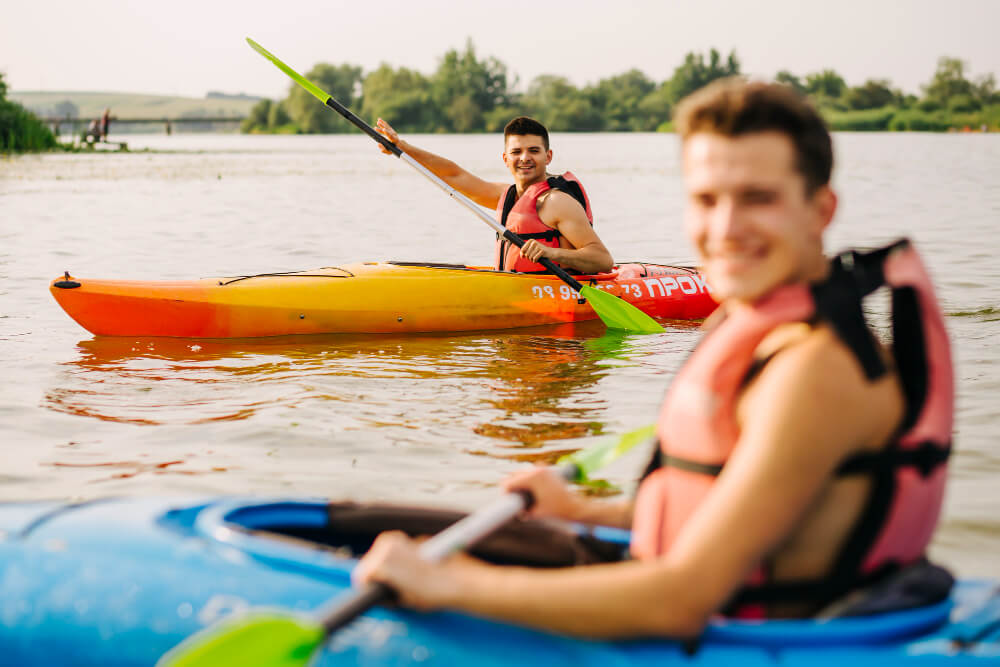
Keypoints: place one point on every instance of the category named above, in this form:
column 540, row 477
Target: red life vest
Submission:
column 520, row 215
column 698, row 429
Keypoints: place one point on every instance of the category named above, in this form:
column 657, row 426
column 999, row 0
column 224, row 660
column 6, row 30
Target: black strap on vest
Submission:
column 925, row 458
column 572, row 188
column 509, row 200
column 838, row 300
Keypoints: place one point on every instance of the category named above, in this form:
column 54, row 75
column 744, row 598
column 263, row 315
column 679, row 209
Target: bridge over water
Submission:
column 168, row 123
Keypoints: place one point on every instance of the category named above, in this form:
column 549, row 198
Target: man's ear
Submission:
column 826, row 205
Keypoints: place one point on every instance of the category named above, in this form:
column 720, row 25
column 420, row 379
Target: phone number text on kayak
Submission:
column 661, row 287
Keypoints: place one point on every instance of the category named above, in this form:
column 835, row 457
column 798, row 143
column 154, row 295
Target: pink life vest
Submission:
column 520, row 215
column 698, row 430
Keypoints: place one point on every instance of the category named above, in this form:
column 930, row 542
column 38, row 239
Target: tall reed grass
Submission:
column 20, row 130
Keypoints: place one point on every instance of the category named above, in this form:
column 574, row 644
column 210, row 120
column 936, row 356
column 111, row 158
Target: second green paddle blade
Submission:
column 619, row 314
column 273, row 640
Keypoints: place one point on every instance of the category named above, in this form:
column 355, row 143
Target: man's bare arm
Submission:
column 484, row 193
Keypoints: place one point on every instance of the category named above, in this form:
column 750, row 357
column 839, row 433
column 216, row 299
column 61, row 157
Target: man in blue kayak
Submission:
column 552, row 213
column 799, row 460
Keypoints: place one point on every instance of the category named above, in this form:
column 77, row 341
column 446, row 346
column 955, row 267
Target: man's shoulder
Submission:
column 817, row 349
column 816, row 362
column 559, row 204
column 818, row 379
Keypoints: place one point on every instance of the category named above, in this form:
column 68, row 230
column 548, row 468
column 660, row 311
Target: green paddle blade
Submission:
column 273, row 640
column 619, row 314
column 317, row 92
column 594, row 458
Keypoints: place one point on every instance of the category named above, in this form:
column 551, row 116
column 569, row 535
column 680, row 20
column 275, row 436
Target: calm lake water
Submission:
column 430, row 419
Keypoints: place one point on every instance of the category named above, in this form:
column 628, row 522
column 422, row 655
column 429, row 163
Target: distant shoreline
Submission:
column 90, row 104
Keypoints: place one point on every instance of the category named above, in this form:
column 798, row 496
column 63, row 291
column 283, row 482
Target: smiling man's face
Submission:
column 749, row 213
column 527, row 158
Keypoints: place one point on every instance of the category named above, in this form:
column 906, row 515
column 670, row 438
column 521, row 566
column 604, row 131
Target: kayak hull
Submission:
column 121, row 582
column 375, row 297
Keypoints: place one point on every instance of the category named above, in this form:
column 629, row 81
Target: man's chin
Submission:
column 737, row 289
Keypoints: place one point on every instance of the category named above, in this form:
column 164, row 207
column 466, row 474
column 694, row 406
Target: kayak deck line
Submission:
column 290, row 274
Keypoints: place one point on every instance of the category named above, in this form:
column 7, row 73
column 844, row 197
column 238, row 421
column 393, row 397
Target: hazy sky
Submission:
column 187, row 47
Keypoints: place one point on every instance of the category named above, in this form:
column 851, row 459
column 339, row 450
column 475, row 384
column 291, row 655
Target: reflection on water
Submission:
column 534, row 385
column 540, row 392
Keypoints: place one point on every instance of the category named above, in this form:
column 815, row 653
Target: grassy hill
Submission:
column 133, row 105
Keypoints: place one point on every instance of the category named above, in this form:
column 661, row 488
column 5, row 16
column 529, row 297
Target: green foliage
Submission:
column 964, row 104
column 500, row 116
column 948, row 81
column 914, row 120
column 789, row 79
column 874, row 94
column 20, row 130
column 467, row 93
column 558, row 105
column 464, row 115
column 928, row 105
column 308, row 113
column 985, row 90
column 268, row 116
column 694, row 73
column 654, row 110
column 465, row 88
column 256, row 120
column 869, row 120
column 619, row 98
column 990, row 116
column 402, row 97
column 277, row 116
column 825, row 84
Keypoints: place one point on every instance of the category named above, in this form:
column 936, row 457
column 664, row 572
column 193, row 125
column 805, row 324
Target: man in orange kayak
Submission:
column 552, row 213
column 799, row 461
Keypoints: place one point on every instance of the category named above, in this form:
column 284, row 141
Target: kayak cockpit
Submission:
column 295, row 531
column 322, row 536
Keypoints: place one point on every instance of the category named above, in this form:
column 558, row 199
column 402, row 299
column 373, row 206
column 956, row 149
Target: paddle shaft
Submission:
column 454, row 538
column 452, row 192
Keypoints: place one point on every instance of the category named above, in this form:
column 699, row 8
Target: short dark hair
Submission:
column 523, row 125
column 734, row 107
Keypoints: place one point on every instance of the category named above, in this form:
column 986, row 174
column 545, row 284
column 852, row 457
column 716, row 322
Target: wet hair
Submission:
column 734, row 107
column 522, row 125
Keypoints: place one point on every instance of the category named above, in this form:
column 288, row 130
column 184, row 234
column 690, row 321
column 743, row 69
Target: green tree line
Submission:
column 20, row 130
column 467, row 93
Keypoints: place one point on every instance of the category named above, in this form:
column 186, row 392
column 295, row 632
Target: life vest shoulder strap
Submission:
column 509, row 199
column 572, row 188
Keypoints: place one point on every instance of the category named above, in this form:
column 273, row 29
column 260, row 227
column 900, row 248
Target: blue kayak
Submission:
column 122, row 581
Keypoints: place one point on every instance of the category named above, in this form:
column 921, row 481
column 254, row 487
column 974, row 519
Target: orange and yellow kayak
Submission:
column 371, row 297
